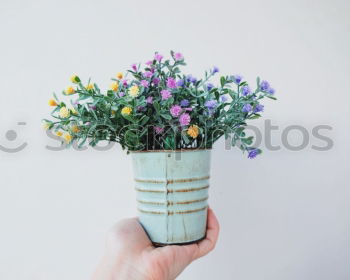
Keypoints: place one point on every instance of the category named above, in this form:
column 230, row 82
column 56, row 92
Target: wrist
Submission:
column 126, row 269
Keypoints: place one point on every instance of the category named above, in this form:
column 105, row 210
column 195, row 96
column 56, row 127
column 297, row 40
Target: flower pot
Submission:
column 172, row 194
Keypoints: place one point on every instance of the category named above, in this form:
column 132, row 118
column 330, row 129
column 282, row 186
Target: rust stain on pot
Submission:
column 188, row 201
column 154, row 191
column 172, row 181
column 173, row 212
column 189, row 190
column 187, row 212
column 152, row 212
column 172, row 202
column 151, row 202
column 150, row 181
column 173, row 190
column 187, row 180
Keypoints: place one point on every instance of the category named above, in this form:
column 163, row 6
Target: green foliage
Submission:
column 135, row 113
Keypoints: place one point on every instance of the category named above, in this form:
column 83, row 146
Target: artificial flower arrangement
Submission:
column 158, row 108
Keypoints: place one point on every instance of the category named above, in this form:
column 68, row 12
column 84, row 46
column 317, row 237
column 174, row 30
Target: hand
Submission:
column 130, row 254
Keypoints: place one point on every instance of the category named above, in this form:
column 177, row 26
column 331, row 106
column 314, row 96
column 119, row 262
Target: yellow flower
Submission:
column 120, row 75
column 73, row 111
column 64, row 112
column 90, row 86
column 193, row 131
column 126, row 111
column 75, row 128
column 67, row 137
column 74, row 79
column 114, row 86
column 59, row 133
column 46, row 125
column 134, row 91
column 70, row 90
column 52, row 102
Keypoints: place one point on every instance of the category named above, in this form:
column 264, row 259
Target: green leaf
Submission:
column 239, row 131
column 144, row 120
column 166, row 116
column 156, row 106
column 248, row 140
column 271, row 97
column 169, row 143
column 185, row 138
column 128, row 117
column 222, row 81
column 56, row 98
column 258, row 82
column 255, row 116
column 97, row 88
column 82, row 142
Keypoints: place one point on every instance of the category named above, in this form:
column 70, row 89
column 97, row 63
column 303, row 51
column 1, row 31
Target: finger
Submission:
column 213, row 228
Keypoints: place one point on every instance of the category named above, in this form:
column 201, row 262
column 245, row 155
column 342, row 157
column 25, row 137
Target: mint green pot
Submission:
column 172, row 194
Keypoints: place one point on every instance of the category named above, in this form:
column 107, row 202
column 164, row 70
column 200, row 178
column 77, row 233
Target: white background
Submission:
column 283, row 216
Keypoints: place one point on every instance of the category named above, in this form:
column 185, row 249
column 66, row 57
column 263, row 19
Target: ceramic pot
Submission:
column 172, row 194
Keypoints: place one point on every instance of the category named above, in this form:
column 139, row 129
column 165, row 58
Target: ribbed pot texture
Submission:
column 172, row 194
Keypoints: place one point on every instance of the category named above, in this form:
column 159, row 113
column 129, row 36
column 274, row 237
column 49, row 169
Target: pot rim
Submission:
column 174, row 151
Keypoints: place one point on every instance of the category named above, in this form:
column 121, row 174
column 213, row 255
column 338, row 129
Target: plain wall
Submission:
column 284, row 215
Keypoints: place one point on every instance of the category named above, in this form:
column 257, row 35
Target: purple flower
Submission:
column 125, row 83
column 158, row 57
column 149, row 62
column 144, row 83
column 92, row 107
column 175, row 110
column 158, row 129
column 264, row 85
column 134, row 67
column 185, row 119
column 223, row 98
column 211, row 104
column 208, row 113
column 271, row 91
column 215, row 70
column 147, row 74
column 156, row 81
column 184, row 103
column 247, row 108
column 171, row 82
column 121, row 94
column 180, row 83
column 188, row 109
column 236, row 79
column 178, row 56
column 253, row 153
column 140, row 108
column 246, row 90
column 149, row 100
column 165, row 94
column 258, row 108
column 191, row 79
column 209, row 86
